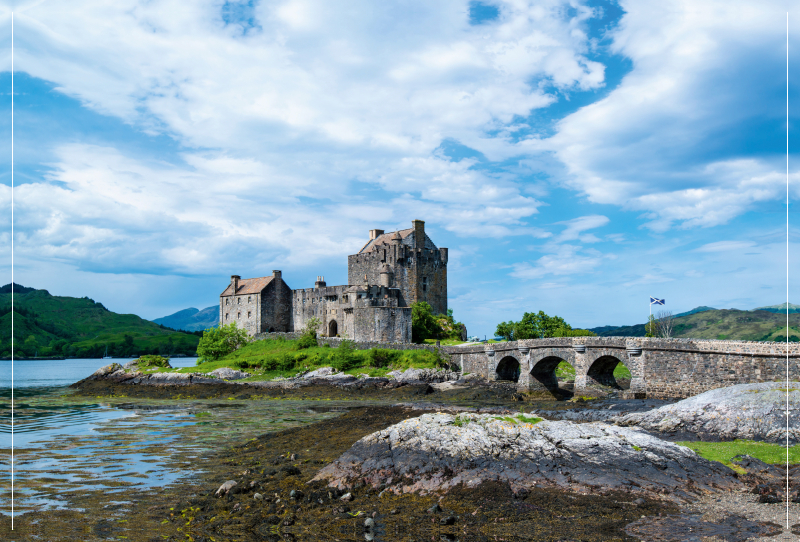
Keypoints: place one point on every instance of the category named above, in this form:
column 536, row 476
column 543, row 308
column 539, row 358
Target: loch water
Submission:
column 67, row 446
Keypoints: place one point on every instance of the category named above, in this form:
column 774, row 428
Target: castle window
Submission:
column 424, row 284
column 238, row 315
column 226, row 300
column 226, row 315
column 248, row 299
column 239, row 300
column 248, row 314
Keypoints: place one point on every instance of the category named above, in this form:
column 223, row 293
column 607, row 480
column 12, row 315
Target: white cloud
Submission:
column 725, row 246
column 577, row 226
column 565, row 260
column 673, row 139
column 380, row 78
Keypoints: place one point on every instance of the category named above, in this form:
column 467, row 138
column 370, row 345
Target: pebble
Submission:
column 369, row 523
column 258, row 496
column 347, row 497
column 225, row 488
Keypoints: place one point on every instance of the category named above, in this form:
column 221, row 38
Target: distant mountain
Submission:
column 780, row 308
column 48, row 325
column 695, row 311
column 756, row 325
column 191, row 319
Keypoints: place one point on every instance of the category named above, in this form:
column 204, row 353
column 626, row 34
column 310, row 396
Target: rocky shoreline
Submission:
column 458, row 460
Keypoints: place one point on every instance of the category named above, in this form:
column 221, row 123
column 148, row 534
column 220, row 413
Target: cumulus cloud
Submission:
column 682, row 136
column 382, row 78
column 285, row 111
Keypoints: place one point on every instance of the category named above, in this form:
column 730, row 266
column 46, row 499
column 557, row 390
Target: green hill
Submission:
column 47, row 325
column 780, row 308
column 755, row 325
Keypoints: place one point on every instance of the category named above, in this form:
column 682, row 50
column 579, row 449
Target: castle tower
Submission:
column 407, row 260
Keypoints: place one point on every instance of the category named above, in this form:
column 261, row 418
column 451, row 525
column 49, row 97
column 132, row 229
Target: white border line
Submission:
column 787, row 271
column 12, row 270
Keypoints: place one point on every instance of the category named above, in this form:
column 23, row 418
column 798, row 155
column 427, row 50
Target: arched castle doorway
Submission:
column 333, row 329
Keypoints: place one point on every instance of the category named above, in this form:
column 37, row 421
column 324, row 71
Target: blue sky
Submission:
column 576, row 157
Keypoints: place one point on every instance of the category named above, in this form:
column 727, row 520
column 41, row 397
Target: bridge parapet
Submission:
column 658, row 367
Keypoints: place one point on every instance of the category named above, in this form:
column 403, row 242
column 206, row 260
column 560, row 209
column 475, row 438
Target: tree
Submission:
column 31, row 346
column 665, row 324
column 538, row 326
column 533, row 326
column 220, row 341
column 651, row 327
column 505, row 330
column 309, row 337
column 423, row 323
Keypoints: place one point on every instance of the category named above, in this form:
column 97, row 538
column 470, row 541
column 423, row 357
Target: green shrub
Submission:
column 220, row 341
column 345, row 358
column 145, row 362
column 381, row 357
column 285, row 362
column 307, row 341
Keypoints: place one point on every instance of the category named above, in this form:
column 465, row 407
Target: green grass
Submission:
column 445, row 342
column 520, row 418
column 566, row 371
column 269, row 359
column 725, row 451
column 458, row 421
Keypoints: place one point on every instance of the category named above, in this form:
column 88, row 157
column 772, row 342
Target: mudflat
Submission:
column 262, row 489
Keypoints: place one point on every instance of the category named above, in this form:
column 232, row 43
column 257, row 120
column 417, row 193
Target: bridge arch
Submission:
column 543, row 373
column 601, row 372
column 508, row 368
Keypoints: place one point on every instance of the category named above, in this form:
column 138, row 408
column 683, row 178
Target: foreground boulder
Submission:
column 744, row 411
column 436, row 452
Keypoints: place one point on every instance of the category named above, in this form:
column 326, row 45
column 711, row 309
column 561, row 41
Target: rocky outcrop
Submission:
column 428, row 376
column 745, row 411
column 228, row 374
column 436, row 452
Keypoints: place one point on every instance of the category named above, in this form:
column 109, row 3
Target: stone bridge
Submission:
column 660, row 368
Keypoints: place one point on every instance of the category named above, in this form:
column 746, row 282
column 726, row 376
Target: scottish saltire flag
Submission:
column 656, row 301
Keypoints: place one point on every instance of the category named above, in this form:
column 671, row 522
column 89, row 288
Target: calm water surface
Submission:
column 66, row 444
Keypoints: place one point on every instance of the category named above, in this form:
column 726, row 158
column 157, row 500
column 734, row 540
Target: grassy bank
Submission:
column 725, row 451
column 273, row 358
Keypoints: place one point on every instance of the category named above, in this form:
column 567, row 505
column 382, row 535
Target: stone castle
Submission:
column 391, row 272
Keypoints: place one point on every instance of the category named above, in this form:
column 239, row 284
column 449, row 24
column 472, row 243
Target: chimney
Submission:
column 443, row 255
column 235, row 282
column 419, row 233
column 373, row 234
column 276, row 274
column 320, row 282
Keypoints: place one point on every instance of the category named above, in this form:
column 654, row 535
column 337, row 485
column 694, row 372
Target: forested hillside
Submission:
column 47, row 325
column 755, row 325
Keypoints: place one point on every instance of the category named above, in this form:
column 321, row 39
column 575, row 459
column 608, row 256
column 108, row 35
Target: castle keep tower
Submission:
column 409, row 260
